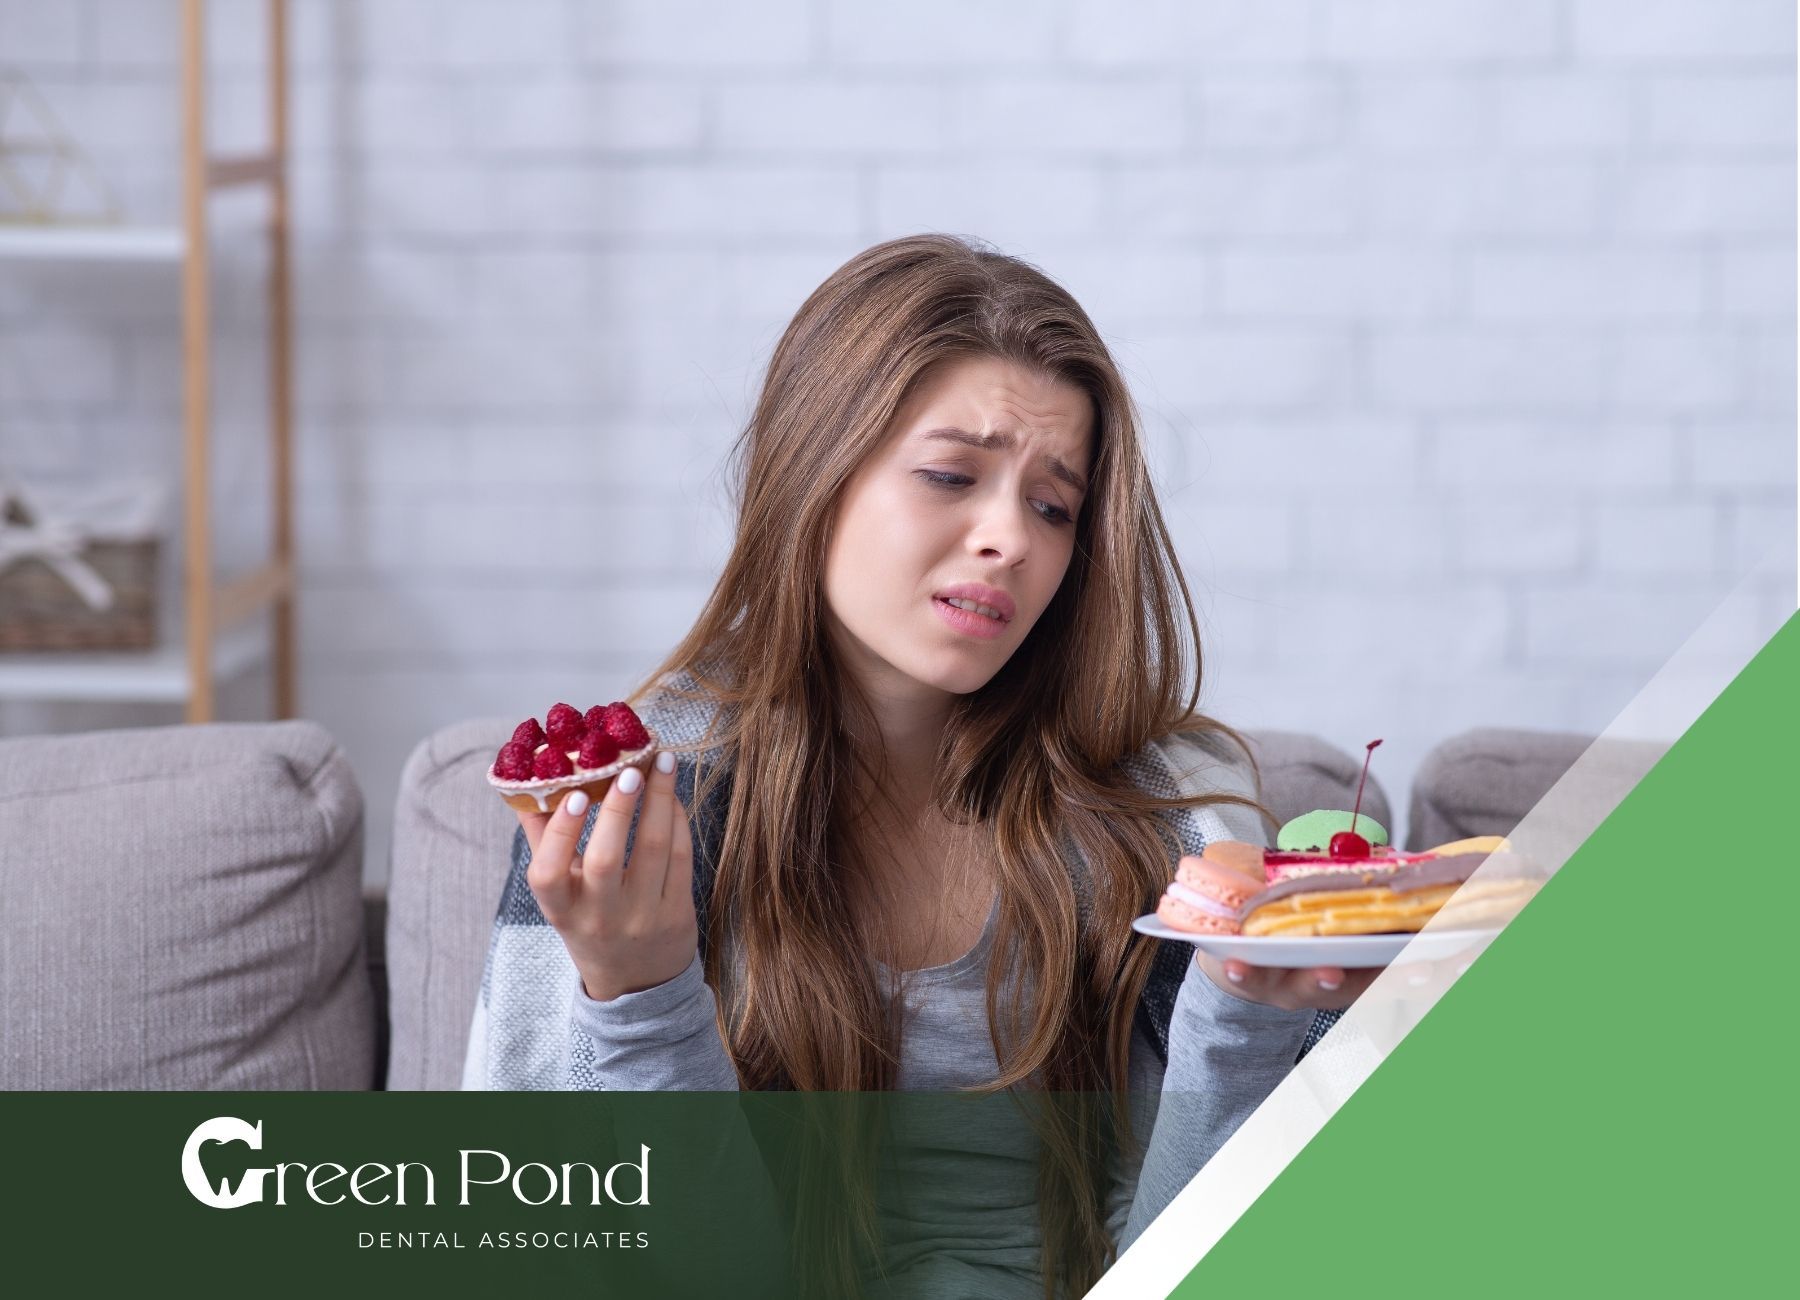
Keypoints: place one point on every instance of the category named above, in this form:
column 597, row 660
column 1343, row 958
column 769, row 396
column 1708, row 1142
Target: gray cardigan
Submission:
column 1202, row 1059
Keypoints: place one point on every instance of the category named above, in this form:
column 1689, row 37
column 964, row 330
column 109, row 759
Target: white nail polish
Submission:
column 665, row 762
column 629, row 780
column 1331, row 986
column 576, row 803
column 1236, row 977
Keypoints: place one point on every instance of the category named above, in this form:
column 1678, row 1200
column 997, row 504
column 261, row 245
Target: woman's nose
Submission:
column 1002, row 530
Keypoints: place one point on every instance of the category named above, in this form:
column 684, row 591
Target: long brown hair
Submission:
column 1032, row 758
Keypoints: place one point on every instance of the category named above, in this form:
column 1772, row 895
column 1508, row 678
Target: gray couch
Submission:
column 184, row 905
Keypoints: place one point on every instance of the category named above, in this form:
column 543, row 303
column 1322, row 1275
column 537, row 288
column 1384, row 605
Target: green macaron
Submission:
column 1314, row 830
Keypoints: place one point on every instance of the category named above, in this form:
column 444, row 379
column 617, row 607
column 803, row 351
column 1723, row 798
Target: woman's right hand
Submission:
column 627, row 927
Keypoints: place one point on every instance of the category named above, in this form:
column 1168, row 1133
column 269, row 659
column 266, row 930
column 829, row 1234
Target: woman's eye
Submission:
column 1054, row 513
column 945, row 479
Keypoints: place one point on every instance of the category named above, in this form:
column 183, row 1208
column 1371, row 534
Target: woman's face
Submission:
column 973, row 496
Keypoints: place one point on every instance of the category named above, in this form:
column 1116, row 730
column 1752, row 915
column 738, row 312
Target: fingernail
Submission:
column 576, row 803
column 1419, row 978
column 1331, row 986
column 629, row 780
column 665, row 762
column 1235, row 976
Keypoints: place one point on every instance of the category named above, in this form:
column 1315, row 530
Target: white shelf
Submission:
column 92, row 243
column 151, row 675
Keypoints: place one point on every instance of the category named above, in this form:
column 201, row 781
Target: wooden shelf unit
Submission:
column 92, row 243
column 218, row 638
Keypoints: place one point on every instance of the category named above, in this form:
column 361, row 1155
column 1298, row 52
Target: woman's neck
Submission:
column 911, row 760
column 909, row 721
column 921, row 881
column 899, row 734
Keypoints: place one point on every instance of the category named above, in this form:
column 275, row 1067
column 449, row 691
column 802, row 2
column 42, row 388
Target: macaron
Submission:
column 1247, row 858
column 1314, row 830
column 1207, row 895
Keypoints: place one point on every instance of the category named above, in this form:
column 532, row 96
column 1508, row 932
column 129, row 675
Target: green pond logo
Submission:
column 217, row 1170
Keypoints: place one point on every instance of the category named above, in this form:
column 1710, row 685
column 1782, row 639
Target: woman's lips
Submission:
column 967, row 621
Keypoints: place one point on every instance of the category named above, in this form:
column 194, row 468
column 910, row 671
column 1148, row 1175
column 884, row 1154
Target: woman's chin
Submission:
column 960, row 668
column 963, row 678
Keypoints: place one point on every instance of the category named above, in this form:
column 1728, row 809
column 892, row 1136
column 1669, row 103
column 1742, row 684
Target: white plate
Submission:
column 1350, row 951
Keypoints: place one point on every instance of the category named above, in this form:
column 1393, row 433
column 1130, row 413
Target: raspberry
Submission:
column 623, row 726
column 598, row 749
column 563, row 727
column 514, row 761
column 551, row 762
column 529, row 734
column 595, row 718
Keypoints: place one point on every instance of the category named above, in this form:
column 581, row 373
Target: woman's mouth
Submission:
column 969, row 617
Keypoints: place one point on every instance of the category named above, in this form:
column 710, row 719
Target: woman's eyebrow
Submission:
column 1004, row 442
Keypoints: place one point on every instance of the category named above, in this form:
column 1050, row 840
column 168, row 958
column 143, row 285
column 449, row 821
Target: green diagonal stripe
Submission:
column 1599, row 1107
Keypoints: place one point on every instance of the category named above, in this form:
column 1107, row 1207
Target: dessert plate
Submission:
column 1349, row 951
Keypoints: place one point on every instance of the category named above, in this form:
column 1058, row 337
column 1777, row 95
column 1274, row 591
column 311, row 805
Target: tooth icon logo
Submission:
column 223, row 1128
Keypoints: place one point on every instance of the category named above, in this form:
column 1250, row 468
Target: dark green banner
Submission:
column 619, row 1194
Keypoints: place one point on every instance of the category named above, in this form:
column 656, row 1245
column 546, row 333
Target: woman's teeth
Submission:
column 987, row 610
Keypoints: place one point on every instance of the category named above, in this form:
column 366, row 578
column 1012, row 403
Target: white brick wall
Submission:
column 1463, row 329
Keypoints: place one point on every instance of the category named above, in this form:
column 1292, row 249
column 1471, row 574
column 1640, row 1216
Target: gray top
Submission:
column 970, row 1227
column 959, row 1212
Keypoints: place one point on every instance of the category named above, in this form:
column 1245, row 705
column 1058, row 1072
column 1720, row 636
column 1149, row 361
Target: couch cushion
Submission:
column 1484, row 782
column 182, row 910
column 451, row 852
column 1300, row 773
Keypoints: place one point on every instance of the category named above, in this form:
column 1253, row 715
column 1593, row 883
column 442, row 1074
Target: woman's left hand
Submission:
column 1322, row 988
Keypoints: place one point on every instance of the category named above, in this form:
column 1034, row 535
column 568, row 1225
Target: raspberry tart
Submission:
column 569, row 751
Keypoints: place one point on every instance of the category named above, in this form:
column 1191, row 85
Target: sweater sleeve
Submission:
column 666, row 1039
column 1226, row 1054
column 1143, row 1097
column 535, row 1027
column 663, row 1039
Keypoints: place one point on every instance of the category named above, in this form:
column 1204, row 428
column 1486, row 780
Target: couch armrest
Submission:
column 183, row 911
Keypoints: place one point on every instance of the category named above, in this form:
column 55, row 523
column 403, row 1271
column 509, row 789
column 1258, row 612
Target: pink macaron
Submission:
column 1207, row 895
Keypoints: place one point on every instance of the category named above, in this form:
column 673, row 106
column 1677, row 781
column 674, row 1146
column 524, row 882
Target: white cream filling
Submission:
column 1194, row 898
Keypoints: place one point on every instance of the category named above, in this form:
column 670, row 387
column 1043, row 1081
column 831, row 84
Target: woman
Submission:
column 937, row 726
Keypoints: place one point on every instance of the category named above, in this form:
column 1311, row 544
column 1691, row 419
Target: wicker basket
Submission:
column 40, row 611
